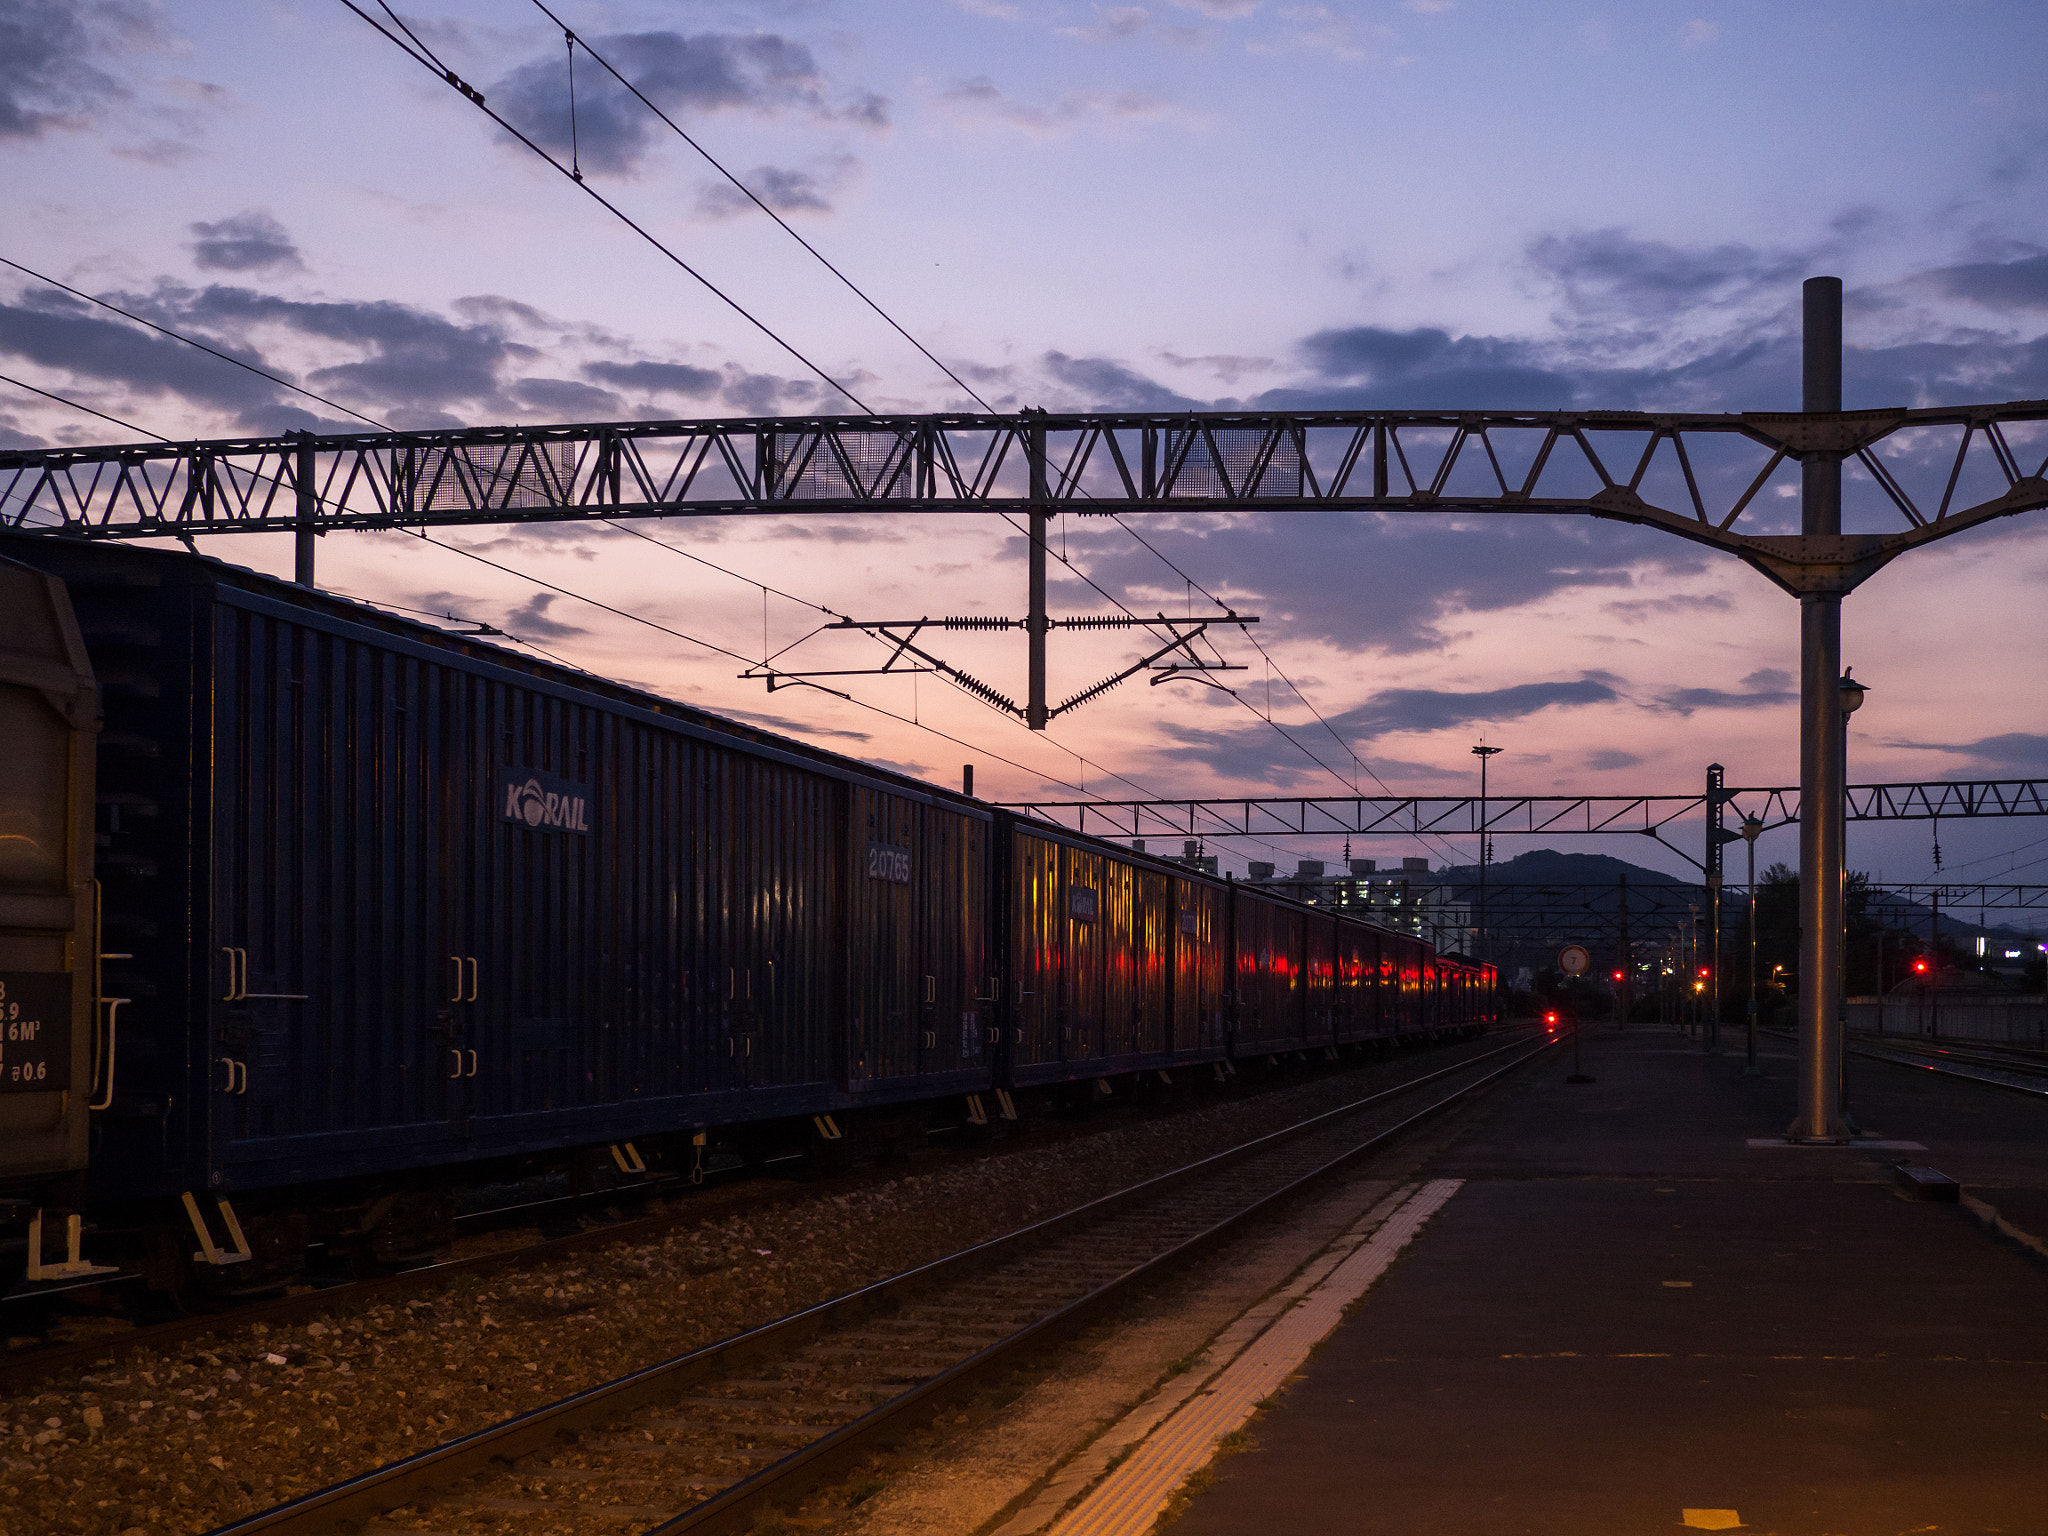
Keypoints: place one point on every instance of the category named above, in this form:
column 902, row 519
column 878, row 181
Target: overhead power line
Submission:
column 747, row 192
column 425, row 57
column 225, row 357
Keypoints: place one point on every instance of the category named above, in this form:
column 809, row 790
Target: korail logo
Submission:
column 542, row 801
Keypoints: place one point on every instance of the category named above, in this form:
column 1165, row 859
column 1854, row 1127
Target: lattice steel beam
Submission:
column 1932, row 472
column 1520, row 815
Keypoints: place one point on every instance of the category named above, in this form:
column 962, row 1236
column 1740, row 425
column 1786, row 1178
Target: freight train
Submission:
column 309, row 912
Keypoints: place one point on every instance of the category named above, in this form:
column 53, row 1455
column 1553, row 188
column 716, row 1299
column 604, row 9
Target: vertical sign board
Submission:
column 35, row 1031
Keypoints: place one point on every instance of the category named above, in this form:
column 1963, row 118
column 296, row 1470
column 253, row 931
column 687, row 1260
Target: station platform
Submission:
column 1628, row 1319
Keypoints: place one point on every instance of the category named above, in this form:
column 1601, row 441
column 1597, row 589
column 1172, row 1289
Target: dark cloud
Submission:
column 248, row 242
column 531, row 621
column 415, row 360
column 784, row 190
column 567, row 400
column 47, row 79
column 2019, row 754
column 793, row 727
column 1608, row 758
column 1762, row 689
column 1432, row 709
column 1608, row 272
column 2019, row 284
column 1369, row 365
column 1104, row 385
column 658, row 378
column 1368, row 581
column 709, row 72
column 58, row 331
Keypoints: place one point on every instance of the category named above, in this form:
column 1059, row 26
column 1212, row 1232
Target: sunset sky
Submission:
column 1202, row 204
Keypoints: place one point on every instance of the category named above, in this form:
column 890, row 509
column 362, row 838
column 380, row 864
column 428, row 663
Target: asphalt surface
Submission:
column 1628, row 1313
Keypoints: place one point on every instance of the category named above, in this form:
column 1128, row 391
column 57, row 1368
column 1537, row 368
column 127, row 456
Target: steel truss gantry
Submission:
column 1508, row 815
column 1931, row 472
column 1700, row 476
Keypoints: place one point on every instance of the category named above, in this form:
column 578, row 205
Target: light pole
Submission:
column 1751, row 830
column 1483, row 752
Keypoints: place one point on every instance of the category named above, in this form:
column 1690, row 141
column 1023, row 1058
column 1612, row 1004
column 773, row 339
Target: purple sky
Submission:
column 1212, row 203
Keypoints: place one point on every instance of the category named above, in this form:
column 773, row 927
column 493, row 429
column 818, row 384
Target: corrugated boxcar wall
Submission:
column 323, row 892
column 447, row 902
column 1199, row 976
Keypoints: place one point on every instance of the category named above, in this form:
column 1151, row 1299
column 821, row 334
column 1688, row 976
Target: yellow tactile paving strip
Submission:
column 1130, row 1498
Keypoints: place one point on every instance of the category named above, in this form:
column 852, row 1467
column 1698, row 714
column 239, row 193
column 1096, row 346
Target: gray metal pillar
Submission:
column 1036, row 624
column 1822, row 771
column 1717, row 839
column 308, row 512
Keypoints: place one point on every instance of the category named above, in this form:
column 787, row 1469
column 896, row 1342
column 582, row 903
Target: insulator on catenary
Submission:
column 1105, row 622
column 953, row 622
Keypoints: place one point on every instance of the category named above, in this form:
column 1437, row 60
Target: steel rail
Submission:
column 1906, row 1054
column 400, row 1483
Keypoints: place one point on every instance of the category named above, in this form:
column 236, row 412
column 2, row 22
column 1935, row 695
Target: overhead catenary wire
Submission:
column 747, row 192
column 165, row 330
column 424, row 56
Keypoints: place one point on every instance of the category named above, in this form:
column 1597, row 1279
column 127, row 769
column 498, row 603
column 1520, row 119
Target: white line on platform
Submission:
column 1130, row 1498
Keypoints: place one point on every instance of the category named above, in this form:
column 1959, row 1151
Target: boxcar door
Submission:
column 1081, row 982
column 886, row 992
column 1037, row 952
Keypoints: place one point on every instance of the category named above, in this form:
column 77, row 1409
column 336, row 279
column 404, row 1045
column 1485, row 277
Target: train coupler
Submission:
column 209, row 1252
column 73, row 1266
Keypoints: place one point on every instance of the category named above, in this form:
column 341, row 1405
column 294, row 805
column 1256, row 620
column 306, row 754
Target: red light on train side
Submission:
column 1550, row 1021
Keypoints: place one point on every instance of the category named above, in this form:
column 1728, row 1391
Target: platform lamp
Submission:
column 1752, row 829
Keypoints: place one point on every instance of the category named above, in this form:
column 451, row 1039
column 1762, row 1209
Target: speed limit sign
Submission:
column 1573, row 960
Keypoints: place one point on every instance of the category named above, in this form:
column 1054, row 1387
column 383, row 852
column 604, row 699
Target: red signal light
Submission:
column 1550, row 1021
column 1703, row 971
column 1617, row 976
column 1920, row 965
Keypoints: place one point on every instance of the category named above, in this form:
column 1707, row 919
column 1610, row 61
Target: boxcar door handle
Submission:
column 472, row 1063
column 241, row 1077
column 229, row 1063
column 472, row 980
column 458, row 1063
column 931, row 989
column 456, row 961
column 238, row 973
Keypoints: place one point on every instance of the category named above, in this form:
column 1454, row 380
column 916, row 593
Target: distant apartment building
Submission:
column 1405, row 898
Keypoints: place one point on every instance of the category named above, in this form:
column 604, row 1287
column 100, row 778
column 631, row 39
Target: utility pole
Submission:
column 1483, row 752
column 1036, row 623
column 1628, row 966
column 1752, row 829
column 1822, row 773
column 308, row 510
column 1717, row 837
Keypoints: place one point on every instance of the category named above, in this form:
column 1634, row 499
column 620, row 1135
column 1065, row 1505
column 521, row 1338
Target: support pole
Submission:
column 308, row 512
column 1717, row 840
column 1822, row 773
column 1036, row 623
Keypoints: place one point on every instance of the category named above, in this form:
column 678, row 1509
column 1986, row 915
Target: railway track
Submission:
column 40, row 1362
column 2017, row 1068
column 702, row 1442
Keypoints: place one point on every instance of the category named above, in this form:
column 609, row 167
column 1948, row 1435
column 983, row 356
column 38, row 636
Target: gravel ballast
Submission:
column 187, row 1440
